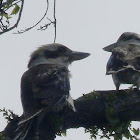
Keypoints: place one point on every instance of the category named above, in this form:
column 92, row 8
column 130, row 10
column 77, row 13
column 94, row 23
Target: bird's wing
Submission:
column 132, row 57
column 44, row 86
column 51, row 84
column 124, row 57
column 116, row 61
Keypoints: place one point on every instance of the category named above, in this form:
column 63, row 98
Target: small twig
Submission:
column 19, row 17
column 46, row 25
column 2, row 23
column 27, row 29
column 8, row 114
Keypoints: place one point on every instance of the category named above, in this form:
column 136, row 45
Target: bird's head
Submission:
column 55, row 54
column 125, row 39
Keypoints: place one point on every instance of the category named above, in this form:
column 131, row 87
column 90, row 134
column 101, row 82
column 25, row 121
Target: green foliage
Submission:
column 15, row 10
column 8, row 114
column 92, row 95
column 8, row 10
column 6, row 16
column 2, row 136
column 114, row 128
column 62, row 133
column 136, row 131
column 118, row 133
column 58, row 126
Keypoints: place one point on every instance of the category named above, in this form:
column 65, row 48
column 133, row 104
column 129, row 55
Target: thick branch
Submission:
column 92, row 109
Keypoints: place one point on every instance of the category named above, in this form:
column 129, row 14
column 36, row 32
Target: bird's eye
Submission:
column 50, row 54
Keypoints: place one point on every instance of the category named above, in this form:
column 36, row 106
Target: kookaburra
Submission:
column 46, row 82
column 124, row 63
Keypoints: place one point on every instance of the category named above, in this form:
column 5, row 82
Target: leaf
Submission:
column 15, row 10
column 136, row 131
column 5, row 15
column 64, row 133
column 127, row 135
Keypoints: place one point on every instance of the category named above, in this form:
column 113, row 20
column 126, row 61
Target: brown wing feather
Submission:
column 42, row 86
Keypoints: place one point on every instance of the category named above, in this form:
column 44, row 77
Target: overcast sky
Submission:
column 82, row 25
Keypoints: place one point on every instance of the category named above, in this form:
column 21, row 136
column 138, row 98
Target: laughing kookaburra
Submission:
column 124, row 63
column 46, row 82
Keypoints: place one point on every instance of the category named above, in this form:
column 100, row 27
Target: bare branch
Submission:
column 51, row 22
column 27, row 29
column 46, row 25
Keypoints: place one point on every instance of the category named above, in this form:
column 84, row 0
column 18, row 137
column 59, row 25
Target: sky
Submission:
column 82, row 25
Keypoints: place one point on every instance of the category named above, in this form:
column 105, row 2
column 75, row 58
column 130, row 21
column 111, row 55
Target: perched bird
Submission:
column 46, row 82
column 124, row 63
column 45, row 90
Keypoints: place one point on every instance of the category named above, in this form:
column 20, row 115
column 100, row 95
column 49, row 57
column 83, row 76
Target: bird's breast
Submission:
column 127, row 76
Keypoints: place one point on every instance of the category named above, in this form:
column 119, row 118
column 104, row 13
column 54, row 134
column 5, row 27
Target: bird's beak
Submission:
column 74, row 55
column 109, row 48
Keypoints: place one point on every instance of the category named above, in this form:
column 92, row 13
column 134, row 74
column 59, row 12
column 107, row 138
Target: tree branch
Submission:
column 100, row 108
column 19, row 17
column 54, row 21
column 93, row 107
column 27, row 29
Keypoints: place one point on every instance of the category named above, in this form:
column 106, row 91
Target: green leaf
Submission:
column 136, row 131
column 127, row 135
column 15, row 10
column 5, row 15
column 64, row 133
column 131, row 137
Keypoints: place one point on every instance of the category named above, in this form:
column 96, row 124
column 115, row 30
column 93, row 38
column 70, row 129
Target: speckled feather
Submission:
column 44, row 85
column 124, row 65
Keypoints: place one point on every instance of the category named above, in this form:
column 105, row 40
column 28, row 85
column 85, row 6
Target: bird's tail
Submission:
column 23, row 129
column 26, row 123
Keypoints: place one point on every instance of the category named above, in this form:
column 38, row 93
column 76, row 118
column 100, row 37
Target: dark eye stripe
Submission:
column 50, row 54
column 62, row 50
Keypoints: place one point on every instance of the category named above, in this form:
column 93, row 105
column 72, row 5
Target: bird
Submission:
column 46, row 83
column 124, row 62
column 45, row 89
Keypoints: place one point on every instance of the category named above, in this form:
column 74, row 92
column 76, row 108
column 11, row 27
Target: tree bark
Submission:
column 92, row 109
